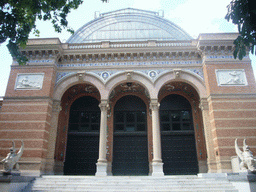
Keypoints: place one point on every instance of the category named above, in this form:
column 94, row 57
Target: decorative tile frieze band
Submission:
column 38, row 61
column 220, row 57
column 105, row 75
column 129, row 63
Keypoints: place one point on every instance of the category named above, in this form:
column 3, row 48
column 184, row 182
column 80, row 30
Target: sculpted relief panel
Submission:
column 227, row 77
column 29, row 81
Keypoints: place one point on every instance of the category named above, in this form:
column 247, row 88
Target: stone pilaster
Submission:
column 211, row 160
column 50, row 163
column 102, row 161
column 157, row 164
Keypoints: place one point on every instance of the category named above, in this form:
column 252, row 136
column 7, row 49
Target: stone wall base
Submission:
column 243, row 181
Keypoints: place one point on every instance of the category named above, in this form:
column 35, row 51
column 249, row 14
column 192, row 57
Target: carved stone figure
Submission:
column 246, row 157
column 235, row 79
column 10, row 162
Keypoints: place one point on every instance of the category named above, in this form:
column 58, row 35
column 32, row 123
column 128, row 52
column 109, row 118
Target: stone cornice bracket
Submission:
column 177, row 73
column 129, row 74
column 203, row 105
column 80, row 75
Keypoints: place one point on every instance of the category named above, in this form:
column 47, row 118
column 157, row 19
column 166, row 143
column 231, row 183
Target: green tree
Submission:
column 18, row 17
column 243, row 14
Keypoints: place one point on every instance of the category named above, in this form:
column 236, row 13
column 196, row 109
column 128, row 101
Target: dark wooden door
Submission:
column 83, row 137
column 179, row 154
column 177, row 135
column 130, row 155
column 130, row 146
column 82, row 154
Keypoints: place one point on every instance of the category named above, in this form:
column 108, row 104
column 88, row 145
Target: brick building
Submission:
column 130, row 93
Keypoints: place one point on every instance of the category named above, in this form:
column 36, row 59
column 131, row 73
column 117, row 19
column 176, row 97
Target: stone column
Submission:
column 157, row 164
column 50, row 163
column 102, row 161
column 211, row 161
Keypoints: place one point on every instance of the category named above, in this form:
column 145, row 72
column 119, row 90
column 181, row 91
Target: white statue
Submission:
column 246, row 157
column 10, row 162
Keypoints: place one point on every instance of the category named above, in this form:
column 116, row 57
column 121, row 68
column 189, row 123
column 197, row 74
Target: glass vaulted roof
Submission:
column 128, row 25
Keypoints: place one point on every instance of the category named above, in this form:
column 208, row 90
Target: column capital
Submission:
column 154, row 104
column 104, row 106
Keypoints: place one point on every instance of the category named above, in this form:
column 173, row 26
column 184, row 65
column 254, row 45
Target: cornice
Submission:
column 217, row 47
column 32, row 65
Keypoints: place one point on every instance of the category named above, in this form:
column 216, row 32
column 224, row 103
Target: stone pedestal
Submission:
column 235, row 163
column 102, row 168
column 157, row 169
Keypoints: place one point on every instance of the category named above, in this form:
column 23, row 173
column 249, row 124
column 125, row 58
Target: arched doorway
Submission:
column 130, row 145
column 177, row 135
column 83, row 137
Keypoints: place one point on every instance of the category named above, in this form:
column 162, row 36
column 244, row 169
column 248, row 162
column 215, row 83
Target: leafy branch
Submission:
column 243, row 14
column 18, row 18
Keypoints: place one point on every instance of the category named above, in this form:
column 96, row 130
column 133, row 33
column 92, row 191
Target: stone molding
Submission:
column 28, row 98
column 203, row 105
column 233, row 95
column 56, row 106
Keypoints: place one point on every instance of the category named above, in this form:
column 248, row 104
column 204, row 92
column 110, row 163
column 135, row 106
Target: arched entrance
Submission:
column 182, row 133
column 130, row 145
column 177, row 134
column 83, row 137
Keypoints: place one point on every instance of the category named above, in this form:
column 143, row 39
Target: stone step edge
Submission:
column 168, row 190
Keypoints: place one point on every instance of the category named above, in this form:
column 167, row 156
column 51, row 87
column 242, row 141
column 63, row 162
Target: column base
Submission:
column 157, row 169
column 102, row 168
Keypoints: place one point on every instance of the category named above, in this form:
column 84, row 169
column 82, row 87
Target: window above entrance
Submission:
column 176, row 120
column 128, row 121
column 130, row 115
column 84, row 115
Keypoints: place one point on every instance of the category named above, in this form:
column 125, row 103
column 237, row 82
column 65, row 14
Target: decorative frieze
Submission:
column 105, row 75
column 151, row 73
column 62, row 75
column 38, row 61
column 146, row 63
column 32, row 81
column 231, row 77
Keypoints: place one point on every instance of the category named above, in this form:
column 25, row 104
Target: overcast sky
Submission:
column 194, row 16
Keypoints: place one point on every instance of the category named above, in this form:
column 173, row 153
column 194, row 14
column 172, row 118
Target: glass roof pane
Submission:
column 128, row 25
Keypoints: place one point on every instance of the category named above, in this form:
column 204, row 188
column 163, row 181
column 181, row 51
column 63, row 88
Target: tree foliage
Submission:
column 18, row 18
column 243, row 14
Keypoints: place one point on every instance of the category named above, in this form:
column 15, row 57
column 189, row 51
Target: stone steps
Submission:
column 130, row 184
